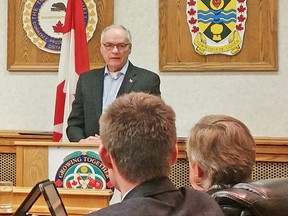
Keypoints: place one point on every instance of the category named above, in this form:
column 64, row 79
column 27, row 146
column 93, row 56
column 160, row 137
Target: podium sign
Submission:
column 79, row 167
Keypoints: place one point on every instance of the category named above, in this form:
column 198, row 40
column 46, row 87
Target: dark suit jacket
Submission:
column 160, row 197
column 83, row 120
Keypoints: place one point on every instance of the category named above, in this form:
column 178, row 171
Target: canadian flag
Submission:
column 74, row 60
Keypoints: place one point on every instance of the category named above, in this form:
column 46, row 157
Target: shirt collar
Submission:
column 122, row 71
column 122, row 198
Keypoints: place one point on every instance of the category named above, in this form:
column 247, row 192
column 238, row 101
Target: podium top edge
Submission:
column 56, row 144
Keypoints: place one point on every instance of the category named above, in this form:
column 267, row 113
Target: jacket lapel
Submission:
column 129, row 80
column 95, row 89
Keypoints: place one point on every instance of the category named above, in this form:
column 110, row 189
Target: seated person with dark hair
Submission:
column 139, row 146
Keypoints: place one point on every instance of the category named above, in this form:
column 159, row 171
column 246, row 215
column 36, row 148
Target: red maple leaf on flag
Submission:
column 241, row 1
column 239, row 27
column 192, row 21
column 191, row 3
column 74, row 182
column 241, row 9
column 241, row 18
column 58, row 28
column 191, row 12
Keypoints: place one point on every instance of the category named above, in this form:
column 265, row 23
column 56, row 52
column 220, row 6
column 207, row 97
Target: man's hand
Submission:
column 91, row 139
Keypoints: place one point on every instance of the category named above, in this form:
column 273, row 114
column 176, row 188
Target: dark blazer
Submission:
column 160, row 197
column 83, row 120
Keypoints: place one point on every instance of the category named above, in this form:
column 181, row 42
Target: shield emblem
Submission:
column 217, row 26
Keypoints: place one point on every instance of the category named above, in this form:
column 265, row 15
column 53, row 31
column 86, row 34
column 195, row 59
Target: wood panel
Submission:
column 36, row 164
column 8, row 137
column 7, row 140
column 31, row 165
column 23, row 55
column 271, row 149
column 7, row 149
column 259, row 51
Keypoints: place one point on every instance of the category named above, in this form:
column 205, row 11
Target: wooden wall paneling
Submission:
column 272, row 149
column 20, row 169
column 259, row 51
column 31, row 165
column 36, row 164
column 7, row 149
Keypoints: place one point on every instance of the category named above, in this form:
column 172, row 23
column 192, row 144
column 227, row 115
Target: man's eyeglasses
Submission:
column 120, row 46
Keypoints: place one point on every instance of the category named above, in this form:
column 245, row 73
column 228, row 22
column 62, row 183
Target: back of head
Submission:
column 138, row 130
column 223, row 148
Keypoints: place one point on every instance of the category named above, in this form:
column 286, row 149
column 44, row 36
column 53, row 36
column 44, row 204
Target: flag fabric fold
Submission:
column 74, row 60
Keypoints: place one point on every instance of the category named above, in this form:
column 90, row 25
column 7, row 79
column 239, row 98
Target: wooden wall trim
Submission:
column 274, row 149
column 8, row 137
column 57, row 144
column 269, row 149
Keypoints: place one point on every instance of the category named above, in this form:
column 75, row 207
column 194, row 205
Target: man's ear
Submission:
column 198, row 170
column 105, row 156
column 196, row 175
column 175, row 155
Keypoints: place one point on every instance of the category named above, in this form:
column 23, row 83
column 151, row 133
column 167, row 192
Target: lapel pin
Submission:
column 130, row 80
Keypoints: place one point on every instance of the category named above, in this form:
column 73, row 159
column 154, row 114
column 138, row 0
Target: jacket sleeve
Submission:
column 155, row 85
column 76, row 123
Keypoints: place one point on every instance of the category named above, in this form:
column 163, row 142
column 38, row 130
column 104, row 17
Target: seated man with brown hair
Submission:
column 139, row 146
column 221, row 153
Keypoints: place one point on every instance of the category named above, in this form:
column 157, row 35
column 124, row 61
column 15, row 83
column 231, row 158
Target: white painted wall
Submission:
column 258, row 99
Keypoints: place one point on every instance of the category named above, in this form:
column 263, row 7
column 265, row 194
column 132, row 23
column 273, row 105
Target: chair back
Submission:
column 259, row 198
